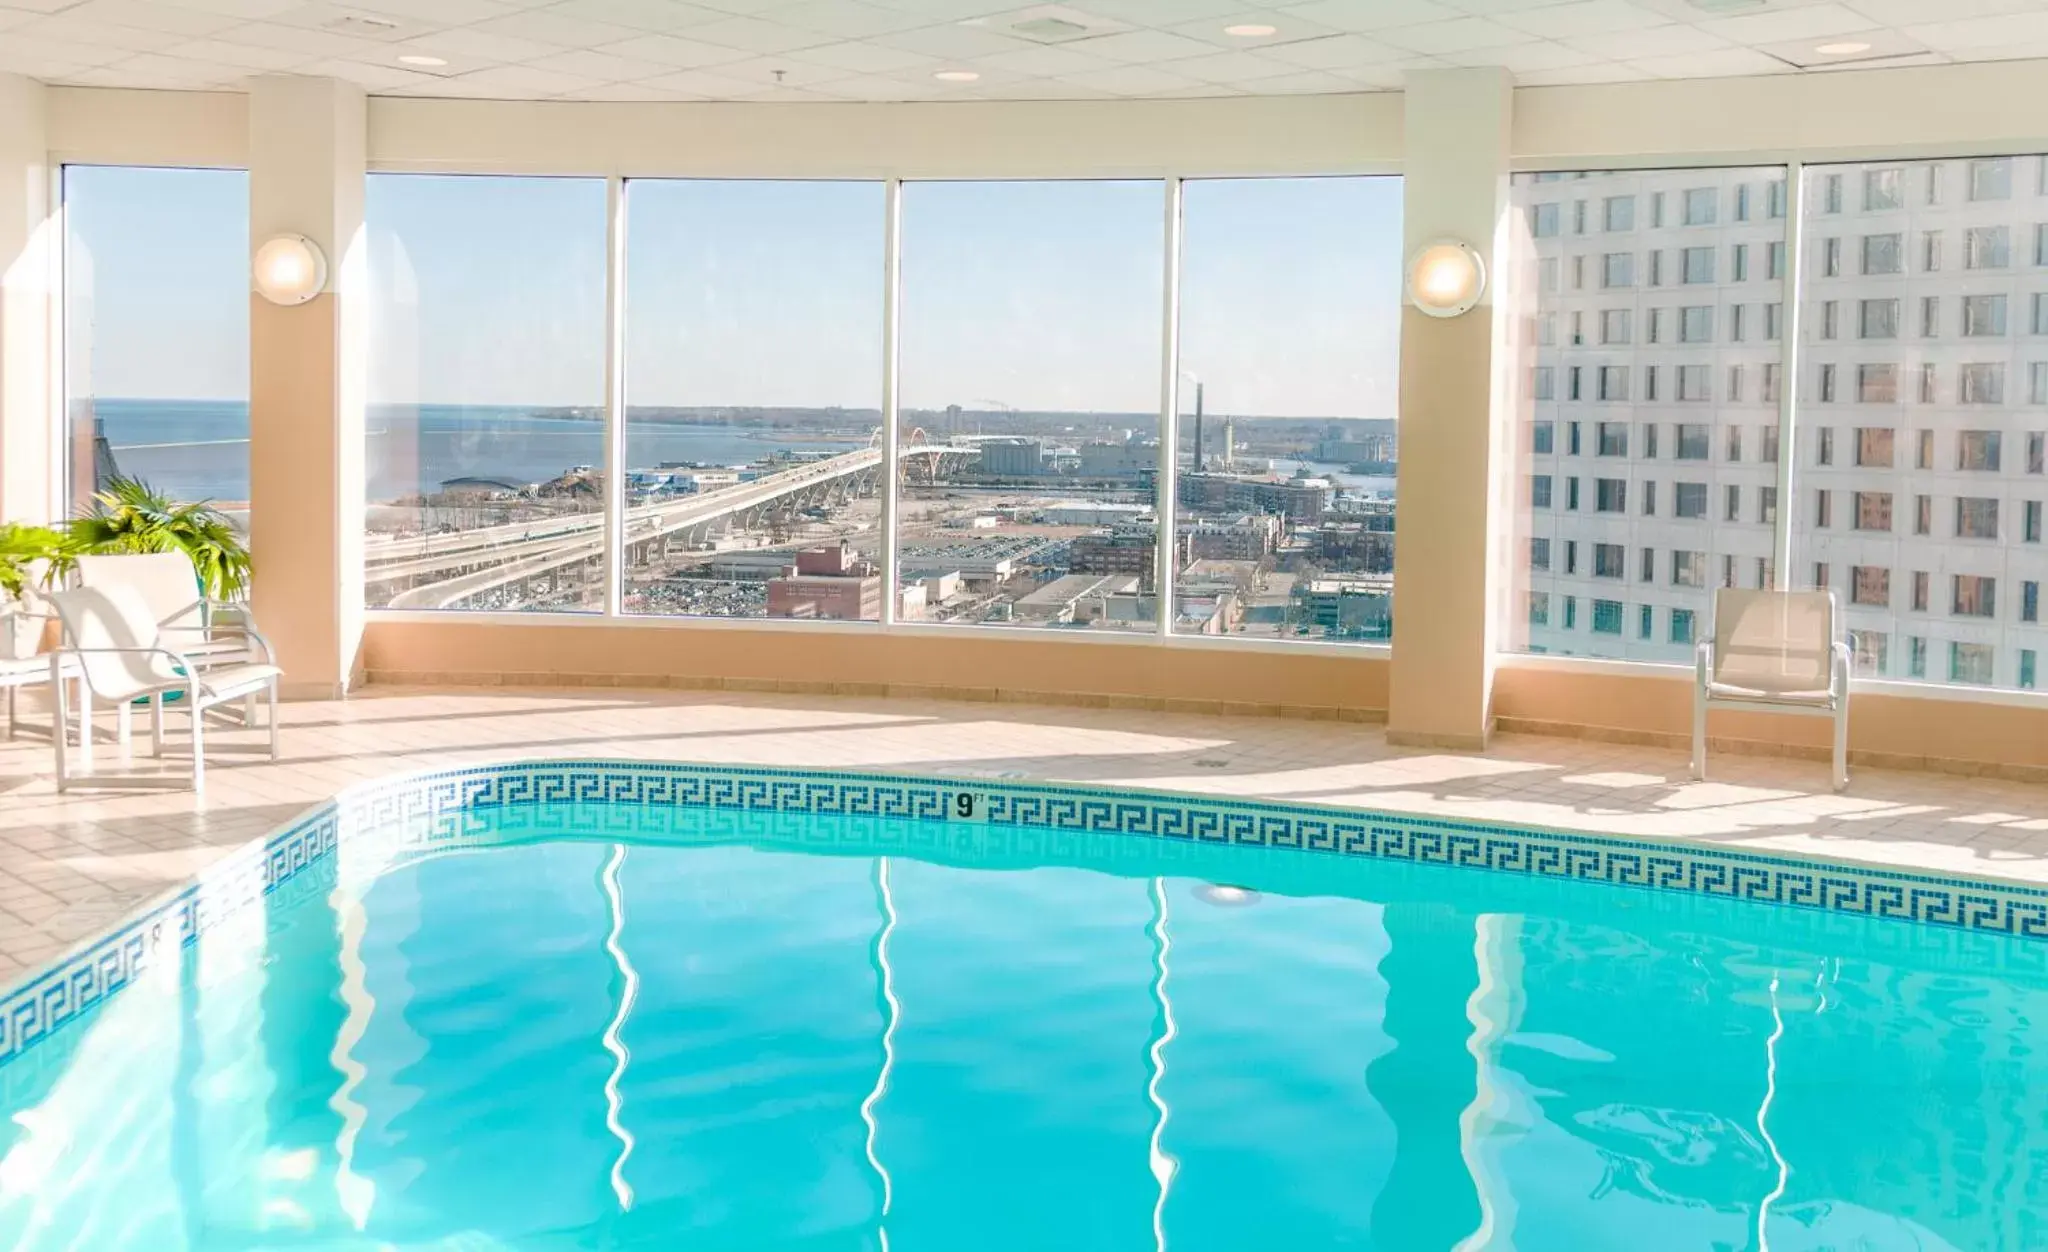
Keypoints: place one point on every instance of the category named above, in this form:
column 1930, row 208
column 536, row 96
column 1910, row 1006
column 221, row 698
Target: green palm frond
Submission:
column 20, row 548
column 129, row 515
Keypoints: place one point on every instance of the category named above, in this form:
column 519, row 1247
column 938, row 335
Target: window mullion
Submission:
column 1789, row 362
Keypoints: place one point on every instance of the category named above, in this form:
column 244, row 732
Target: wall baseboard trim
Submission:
column 1717, row 744
column 899, row 691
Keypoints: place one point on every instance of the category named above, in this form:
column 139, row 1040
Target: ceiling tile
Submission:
column 188, row 22
column 542, row 26
column 1135, row 47
column 1585, row 17
column 245, row 9
column 478, row 45
column 1982, row 32
column 649, row 15
column 1285, row 30
column 601, row 67
column 1525, row 58
column 368, row 75
column 1460, row 35
column 525, row 80
column 1132, row 80
column 1169, row 13
column 1602, row 72
column 67, row 29
column 243, row 55
column 1914, row 12
column 622, row 92
column 1045, row 62
column 858, row 57
column 948, row 10
column 314, row 43
column 1393, row 75
column 32, row 48
column 1313, row 82
column 787, row 95
column 764, row 71
column 673, row 51
column 1727, row 63
column 439, row 12
column 12, row 18
column 700, row 85
column 1371, row 15
column 849, row 19
column 1336, row 52
column 40, row 6
column 1812, row 22
column 953, row 42
column 1233, row 67
column 877, row 88
column 354, row 23
column 1045, row 89
column 756, row 35
column 1659, row 41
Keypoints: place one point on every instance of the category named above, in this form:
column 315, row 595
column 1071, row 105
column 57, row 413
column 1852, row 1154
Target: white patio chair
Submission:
column 123, row 655
column 211, row 632
column 1776, row 651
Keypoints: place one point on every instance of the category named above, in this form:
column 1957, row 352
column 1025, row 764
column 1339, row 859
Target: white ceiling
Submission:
column 822, row 50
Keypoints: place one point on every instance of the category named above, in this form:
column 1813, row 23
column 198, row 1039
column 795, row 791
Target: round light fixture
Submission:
column 956, row 76
column 1226, row 896
column 415, row 58
column 1446, row 277
column 289, row 269
column 1249, row 30
column 1847, row 48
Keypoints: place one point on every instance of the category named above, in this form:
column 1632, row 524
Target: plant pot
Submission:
column 21, row 633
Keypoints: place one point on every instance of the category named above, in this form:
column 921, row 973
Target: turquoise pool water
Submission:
column 617, row 1033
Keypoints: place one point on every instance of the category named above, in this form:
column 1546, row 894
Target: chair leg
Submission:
column 198, row 742
column 60, row 734
column 156, row 724
column 270, row 715
column 1699, row 736
column 124, row 728
column 85, row 745
column 1841, row 779
column 12, row 693
column 249, row 710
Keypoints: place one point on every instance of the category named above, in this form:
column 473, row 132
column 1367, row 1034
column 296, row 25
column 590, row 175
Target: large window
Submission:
column 1688, row 504
column 485, row 463
column 156, row 344
column 753, row 353
column 1030, row 398
column 1951, row 443
column 1289, row 343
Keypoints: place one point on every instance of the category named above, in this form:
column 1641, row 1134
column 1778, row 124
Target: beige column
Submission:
column 1446, row 567
column 31, row 468
column 306, row 384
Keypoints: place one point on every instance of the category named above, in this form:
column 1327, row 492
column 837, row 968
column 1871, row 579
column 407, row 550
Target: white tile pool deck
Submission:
column 70, row 865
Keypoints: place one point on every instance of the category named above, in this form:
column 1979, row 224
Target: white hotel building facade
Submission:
column 1653, row 354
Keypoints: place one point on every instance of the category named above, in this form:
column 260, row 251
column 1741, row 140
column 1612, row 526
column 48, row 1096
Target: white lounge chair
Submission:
column 1776, row 651
column 211, row 632
column 123, row 655
column 17, row 672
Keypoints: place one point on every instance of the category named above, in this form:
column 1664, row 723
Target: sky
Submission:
column 1032, row 295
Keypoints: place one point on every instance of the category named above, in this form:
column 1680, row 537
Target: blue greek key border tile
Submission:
column 432, row 812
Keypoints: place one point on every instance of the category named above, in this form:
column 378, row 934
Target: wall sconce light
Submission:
column 289, row 269
column 1446, row 277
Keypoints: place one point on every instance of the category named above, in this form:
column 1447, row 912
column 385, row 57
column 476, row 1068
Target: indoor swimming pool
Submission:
column 615, row 1023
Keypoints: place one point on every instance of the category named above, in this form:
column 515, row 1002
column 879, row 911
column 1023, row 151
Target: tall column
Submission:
column 306, row 384
column 30, row 453
column 1451, row 414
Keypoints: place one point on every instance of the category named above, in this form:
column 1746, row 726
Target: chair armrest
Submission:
column 1844, row 668
column 247, row 631
column 190, row 672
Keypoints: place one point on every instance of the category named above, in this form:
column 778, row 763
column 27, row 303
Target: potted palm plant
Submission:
column 129, row 515
column 22, row 549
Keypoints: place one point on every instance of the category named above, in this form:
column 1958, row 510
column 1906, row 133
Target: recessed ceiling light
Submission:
column 956, row 76
column 1250, row 30
column 1849, row 48
column 413, row 58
